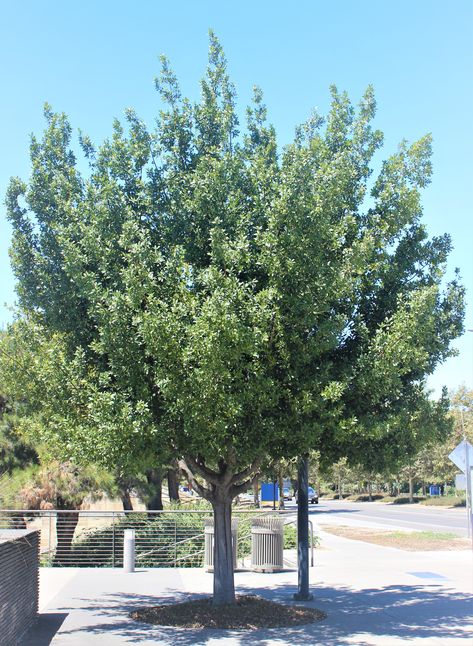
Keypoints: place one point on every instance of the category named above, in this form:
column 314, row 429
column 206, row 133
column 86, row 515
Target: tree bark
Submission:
column 370, row 497
column 66, row 523
column 256, row 492
column 125, row 498
column 224, row 587
column 124, row 487
column 155, row 500
column 281, row 492
column 411, row 489
column 18, row 520
column 222, row 487
column 303, row 593
column 173, row 484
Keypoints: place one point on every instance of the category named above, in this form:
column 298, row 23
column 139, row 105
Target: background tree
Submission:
column 15, row 453
column 435, row 463
column 340, row 472
column 63, row 487
column 211, row 297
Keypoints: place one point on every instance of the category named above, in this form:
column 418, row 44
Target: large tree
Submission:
column 210, row 295
column 14, row 452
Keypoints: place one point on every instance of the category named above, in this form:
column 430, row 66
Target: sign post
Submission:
column 462, row 457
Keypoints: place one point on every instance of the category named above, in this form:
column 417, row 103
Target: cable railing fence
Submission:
column 169, row 538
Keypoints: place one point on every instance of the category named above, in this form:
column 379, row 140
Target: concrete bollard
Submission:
column 129, row 550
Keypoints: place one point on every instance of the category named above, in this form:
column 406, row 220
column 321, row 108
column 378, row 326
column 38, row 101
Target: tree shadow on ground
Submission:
column 402, row 611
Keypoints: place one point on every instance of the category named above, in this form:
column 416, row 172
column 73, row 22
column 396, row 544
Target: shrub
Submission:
column 404, row 500
column 445, row 501
column 364, row 497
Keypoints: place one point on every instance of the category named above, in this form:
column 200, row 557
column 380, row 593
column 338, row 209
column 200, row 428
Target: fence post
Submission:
column 175, row 542
column 50, row 548
column 113, row 539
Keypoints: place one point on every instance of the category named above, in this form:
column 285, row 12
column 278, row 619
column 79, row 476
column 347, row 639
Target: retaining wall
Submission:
column 19, row 583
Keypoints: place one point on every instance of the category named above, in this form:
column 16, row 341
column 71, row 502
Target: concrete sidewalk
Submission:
column 373, row 595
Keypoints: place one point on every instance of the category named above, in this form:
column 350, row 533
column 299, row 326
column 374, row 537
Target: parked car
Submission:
column 312, row 495
column 286, row 494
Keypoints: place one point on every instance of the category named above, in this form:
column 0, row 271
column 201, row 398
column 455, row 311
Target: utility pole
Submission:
column 303, row 593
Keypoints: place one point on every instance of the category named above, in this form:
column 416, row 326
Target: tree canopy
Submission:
column 204, row 293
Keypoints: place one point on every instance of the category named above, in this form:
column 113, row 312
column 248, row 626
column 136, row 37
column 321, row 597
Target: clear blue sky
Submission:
column 92, row 59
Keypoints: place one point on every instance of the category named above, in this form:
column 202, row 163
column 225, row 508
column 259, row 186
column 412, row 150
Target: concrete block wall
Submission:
column 19, row 583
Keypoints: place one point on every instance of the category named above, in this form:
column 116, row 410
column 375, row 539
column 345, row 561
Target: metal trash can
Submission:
column 267, row 544
column 209, row 543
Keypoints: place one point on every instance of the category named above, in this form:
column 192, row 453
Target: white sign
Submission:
column 460, row 481
column 459, row 453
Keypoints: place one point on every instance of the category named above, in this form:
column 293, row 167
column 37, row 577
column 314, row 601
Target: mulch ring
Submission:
column 249, row 612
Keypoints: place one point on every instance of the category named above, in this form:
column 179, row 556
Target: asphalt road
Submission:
column 417, row 517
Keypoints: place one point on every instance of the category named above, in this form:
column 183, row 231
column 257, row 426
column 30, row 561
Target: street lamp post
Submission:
column 303, row 593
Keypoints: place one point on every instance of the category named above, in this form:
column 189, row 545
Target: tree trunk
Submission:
column 423, row 488
column 222, row 486
column 124, row 487
column 224, row 587
column 18, row 520
column 155, row 500
column 339, row 488
column 126, row 499
column 281, row 492
column 173, row 484
column 256, row 492
column 370, row 497
column 66, row 523
column 411, row 489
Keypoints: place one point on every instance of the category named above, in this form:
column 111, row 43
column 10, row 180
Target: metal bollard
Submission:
column 129, row 550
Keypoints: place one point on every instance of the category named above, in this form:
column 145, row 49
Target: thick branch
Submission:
column 247, row 473
column 199, row 467
column 201, row 490
column 241, row 488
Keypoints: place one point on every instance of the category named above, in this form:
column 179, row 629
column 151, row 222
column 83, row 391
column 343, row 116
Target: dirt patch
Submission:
column 249, row 612
column 410, row 541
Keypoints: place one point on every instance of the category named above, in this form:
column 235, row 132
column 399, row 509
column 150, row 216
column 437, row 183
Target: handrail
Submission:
column 289, row 521
column 93, row 539
column 108, row 512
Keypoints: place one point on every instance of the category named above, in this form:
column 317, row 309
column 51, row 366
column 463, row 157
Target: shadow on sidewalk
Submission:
column 43, row 631
column 402, row 611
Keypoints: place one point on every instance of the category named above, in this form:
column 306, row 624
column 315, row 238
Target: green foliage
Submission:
column 405, row 500
column 290, row 538
column 159, row 542
column 12, row 485
column 14, row 452
column 366, row 498
column 199, row 294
